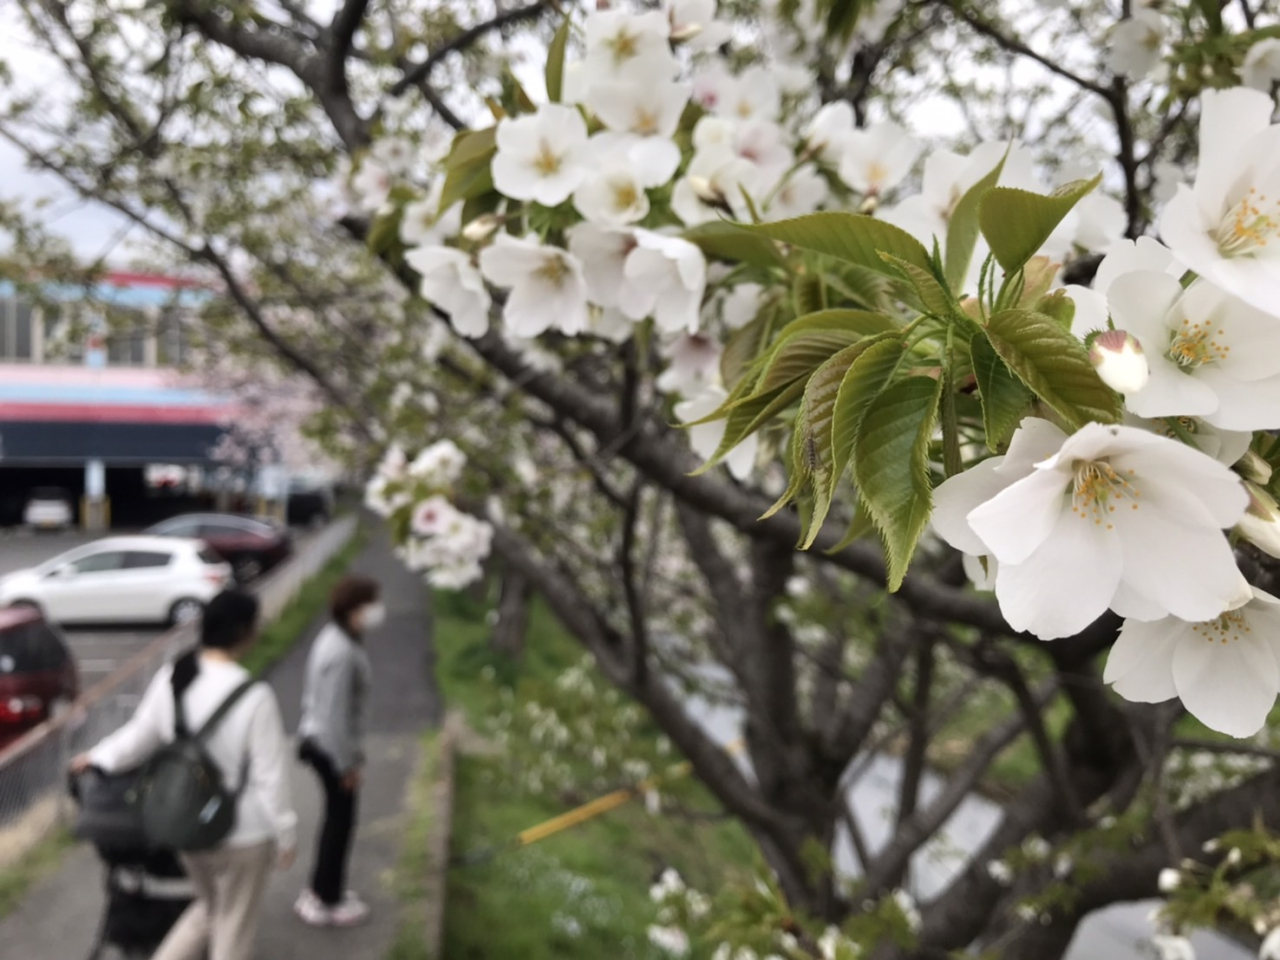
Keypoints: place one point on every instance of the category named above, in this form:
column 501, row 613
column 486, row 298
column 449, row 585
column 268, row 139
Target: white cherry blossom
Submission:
column 1211, row 354
column 751, row 95
column 1227, row 226
column 450, row 281
column 693, row 362
column 715, row 179
column 800, row 193
column 650, row 109
column 693, row 22
column 1225, row 670
column 423, row 224
column 1261, row 67
column 624, row 46
column 878, row 158
column 1108, row 520
column 541, row 157
column 666, row 277
column 613, row 196
column 547, row 287
column 603, row 253
column 826, row 132
column 1135, row 44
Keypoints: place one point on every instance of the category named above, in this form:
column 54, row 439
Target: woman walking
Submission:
column 250, row 748
column 335, row 706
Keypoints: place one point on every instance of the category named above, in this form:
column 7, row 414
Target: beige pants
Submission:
column 223, row 919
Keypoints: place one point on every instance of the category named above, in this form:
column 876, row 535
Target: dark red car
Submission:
column 37, row 672
column 250, row 546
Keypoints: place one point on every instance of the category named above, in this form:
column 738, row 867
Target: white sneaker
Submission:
column 349, row 913
column 312, row 912
column 354, row 898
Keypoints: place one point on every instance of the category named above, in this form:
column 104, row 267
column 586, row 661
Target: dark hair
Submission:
column 228, row 621
column 349, row 595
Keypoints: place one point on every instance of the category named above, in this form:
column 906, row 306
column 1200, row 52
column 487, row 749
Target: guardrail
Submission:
column 33, row 770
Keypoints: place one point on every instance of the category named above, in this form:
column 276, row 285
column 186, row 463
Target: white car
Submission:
column 48, row 509
column 122, row 580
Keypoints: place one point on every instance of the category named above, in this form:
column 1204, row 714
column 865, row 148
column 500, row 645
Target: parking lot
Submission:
column 98, row 651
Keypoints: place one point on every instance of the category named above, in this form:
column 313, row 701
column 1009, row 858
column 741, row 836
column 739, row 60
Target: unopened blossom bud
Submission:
column 1169, row 881
column 1118, row 358
column 1234, row 857
column 1260, row 524
column 686, row 32
column 869, row 205
column 1253, row 467
column 481, row 227
column 1211, row 846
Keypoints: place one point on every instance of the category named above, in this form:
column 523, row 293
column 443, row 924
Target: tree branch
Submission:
column 421, row 72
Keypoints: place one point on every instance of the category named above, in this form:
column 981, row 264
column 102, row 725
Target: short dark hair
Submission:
column 229, row 619
column 349, row 595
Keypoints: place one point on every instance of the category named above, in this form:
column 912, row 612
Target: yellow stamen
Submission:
column 1097, row 487
column 1196, row 344
column 1230, row 626
column 1249, row 226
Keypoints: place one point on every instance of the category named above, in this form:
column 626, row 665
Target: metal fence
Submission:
column 33, row 796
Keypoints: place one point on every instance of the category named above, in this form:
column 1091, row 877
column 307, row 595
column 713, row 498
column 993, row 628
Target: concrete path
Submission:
column 58, row 919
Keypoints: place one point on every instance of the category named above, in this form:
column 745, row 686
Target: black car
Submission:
column 37, row 672
column 250, row 546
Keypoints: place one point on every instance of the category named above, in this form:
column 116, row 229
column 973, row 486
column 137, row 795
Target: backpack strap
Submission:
column 204, row 733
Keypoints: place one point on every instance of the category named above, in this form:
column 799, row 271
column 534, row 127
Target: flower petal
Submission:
column 957, row 496
column 1064, row 585
column 1015, row 522
column 1229, row 686
column 1140, row 664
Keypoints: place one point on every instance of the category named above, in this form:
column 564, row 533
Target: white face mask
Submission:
column 373, row 616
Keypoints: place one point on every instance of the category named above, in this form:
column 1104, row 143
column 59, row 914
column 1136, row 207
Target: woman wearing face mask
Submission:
column 335, row 705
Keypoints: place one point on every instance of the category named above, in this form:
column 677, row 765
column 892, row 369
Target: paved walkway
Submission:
column 58, row 919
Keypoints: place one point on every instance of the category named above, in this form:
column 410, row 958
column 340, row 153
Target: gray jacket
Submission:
column 335, row 699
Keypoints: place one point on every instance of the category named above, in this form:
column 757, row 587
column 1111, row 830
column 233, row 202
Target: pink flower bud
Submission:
column 1118, row 358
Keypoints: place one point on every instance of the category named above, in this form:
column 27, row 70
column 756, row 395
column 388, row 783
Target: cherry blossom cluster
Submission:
column 448, row 544
column 1132, row 517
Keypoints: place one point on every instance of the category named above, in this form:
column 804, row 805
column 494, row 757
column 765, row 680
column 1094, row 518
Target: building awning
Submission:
column 63, row 414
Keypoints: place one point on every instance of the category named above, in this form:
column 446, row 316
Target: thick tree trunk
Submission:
column 513, row 615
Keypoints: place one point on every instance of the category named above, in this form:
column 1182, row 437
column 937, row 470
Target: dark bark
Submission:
column 512, row 629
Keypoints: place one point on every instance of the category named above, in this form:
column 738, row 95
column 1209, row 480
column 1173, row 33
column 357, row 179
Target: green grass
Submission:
column 41, row 860
column 282, row 633
column 414, row 865
column 581, row 894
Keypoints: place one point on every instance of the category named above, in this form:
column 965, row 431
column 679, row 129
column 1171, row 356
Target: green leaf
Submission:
column 934, row 297
column 806, row 293
column 817, row 417
column 963, row 228
column 1054, row 365
column 799, row 474
column 862, row 322
column 891, row 465
column 728, row 241
column 799, row 354
column 860, row 285
column 746, row 417
column 851, row 237
column 867, row 376
column 1059, row 306
column 1004, row 398
column 1016, row 223
column 744, row 345
column 468, row 172
column 555, row 62
column 859, row 526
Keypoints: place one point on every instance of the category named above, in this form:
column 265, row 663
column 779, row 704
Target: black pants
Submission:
column 333, row 847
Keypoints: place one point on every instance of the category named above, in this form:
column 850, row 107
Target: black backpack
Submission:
column 183, row 802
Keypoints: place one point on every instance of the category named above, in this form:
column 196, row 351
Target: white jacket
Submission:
column 252, row 729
